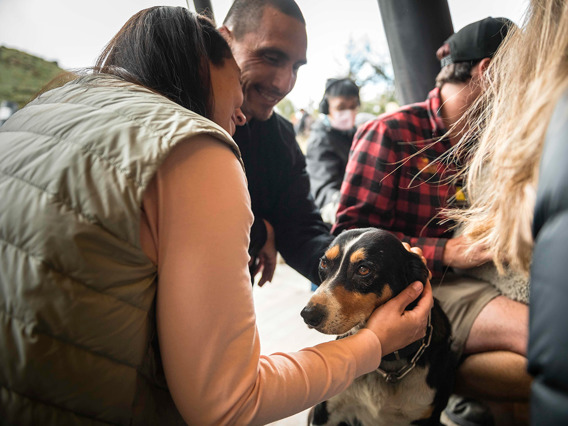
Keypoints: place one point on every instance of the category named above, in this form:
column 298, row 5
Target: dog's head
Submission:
column 361, row 269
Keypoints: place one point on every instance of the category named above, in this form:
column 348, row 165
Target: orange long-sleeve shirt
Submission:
column 195, row 226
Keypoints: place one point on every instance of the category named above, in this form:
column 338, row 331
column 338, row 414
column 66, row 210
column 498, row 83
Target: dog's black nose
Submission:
column 313, row 315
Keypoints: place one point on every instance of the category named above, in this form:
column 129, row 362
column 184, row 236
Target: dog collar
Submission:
column 417, row 348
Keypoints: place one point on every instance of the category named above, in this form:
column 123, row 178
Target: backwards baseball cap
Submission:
column 476, row 41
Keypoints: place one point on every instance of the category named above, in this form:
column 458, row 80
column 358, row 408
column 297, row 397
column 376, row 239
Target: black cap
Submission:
column 476, row 41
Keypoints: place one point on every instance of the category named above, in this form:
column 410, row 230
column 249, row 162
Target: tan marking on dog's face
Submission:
column 428, row 413
column 346, row 309
column 357, row 255
column 355, row 304
column 319, row 297
column 386, row 295
column 332, row 253
column 354, row 309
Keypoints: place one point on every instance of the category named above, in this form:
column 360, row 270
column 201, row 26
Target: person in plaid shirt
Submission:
column 393, row 181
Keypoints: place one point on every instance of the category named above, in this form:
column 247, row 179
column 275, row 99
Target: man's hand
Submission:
column 460, row 253
column 266, row 259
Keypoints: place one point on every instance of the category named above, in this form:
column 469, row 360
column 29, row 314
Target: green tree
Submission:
column 373, row 73
column 366, row 65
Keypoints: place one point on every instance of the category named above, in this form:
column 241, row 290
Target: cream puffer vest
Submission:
column 78, row 335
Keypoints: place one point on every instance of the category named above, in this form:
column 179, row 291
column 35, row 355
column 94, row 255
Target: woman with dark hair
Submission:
column 172, row 59
column 125, row 294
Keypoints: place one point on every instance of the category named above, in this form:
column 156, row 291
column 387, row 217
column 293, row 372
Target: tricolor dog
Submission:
column 362, row 269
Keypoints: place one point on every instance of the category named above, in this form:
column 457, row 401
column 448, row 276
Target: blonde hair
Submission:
column 524, row 81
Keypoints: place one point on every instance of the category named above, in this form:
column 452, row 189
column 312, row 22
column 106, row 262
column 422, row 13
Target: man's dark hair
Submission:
column 466, row 48
column 245, row 15
column 168, row 50
column 459, row 72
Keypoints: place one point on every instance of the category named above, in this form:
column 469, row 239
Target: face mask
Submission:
column 343, row 120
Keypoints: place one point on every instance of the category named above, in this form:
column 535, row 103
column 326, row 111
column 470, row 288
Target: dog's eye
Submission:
column 324, row 263
column 363, row 270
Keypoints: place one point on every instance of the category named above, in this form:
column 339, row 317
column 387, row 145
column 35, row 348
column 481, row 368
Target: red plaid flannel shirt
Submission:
column 383, row 187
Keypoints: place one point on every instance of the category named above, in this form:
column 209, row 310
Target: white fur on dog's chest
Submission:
column 376, row 403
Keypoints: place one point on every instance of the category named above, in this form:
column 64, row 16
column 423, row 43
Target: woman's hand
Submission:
column 397, row 328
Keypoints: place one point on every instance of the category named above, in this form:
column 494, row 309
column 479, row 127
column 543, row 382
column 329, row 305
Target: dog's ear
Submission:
column 414, row 269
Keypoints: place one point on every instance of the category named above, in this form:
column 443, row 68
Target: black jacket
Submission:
column 548, row 332
column 280, row 193
column 326, row 158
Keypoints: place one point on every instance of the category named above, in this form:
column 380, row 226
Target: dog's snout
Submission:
column 314, row 314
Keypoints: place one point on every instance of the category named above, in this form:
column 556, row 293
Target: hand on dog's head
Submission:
column 361, row 270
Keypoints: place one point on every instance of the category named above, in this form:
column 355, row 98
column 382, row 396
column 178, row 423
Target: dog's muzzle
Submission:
column 314, row 314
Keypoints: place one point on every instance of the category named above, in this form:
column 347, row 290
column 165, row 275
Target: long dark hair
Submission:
column 168, row 50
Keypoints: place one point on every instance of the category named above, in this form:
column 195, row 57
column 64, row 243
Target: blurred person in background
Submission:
column 329, row 143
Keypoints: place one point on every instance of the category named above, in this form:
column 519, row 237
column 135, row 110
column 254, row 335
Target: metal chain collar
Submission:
column 395, row 376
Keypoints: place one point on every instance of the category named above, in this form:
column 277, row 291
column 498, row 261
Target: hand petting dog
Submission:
column 394, row 326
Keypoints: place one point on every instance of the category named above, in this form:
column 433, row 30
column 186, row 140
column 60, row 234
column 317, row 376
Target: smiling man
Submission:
column 269, row 42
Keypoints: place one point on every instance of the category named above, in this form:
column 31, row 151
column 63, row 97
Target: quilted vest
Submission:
column 77, row 293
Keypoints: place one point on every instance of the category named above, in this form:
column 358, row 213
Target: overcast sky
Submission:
column 73, row 32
